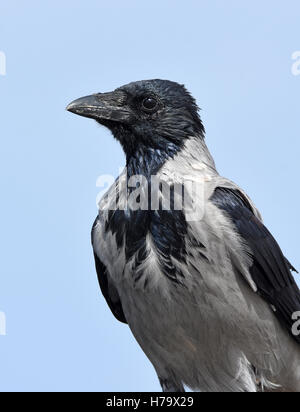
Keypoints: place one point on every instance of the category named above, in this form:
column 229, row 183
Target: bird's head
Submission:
column 152, row 114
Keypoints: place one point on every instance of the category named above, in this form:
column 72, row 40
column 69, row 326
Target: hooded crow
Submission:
column 208, row 294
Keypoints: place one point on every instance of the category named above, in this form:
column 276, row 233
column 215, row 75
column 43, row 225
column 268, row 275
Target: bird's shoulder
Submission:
column 270, row 271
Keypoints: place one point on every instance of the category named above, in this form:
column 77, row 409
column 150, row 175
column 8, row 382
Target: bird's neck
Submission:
column 196, row 152
column 148, row 161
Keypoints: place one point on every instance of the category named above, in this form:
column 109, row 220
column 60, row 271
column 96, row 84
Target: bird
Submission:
column 208, row 294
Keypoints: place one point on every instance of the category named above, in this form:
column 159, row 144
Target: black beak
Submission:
column 103, row 106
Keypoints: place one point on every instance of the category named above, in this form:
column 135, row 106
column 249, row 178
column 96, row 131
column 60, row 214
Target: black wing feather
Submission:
column 270, row 270
column 108, row 290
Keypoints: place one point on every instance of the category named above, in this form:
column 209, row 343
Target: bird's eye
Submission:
column 149, row 104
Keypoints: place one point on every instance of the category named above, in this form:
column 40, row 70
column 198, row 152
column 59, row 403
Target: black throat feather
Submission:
column 167, row 228
column 147, row 161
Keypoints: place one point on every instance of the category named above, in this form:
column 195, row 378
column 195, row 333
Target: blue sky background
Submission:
column 234, row 56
